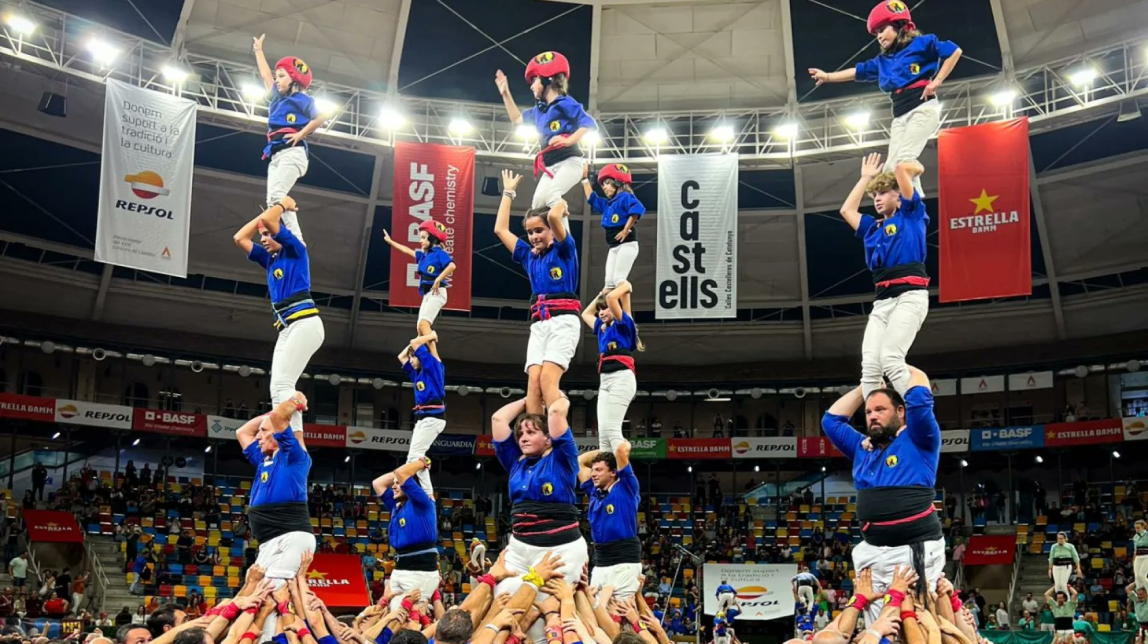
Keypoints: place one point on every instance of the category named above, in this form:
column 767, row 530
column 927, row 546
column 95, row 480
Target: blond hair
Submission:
column 883, row 182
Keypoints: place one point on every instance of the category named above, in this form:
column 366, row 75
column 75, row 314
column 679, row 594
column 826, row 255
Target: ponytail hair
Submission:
column 905, row 35
column 560, row 83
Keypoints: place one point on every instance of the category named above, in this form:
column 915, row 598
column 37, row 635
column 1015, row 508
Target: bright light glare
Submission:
column 526, row 132
column 723, row 133
column 254, row 92
column 102, row 51
column 656, row 135
column 460, row 126
column 135, row 442
column 1115, row 454
column 391, row 119
column 1003, row 98
column 21, row 25
column 857, row 120
column 175, row 74
column 786, row 130
column 55, row 436
column 1083, row 77
column 326, row 106
column 207, row 450
column 592, row 139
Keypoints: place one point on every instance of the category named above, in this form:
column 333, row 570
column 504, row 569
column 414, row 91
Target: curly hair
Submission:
column 883, row 182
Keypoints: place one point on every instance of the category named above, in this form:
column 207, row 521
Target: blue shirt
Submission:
column 919, row 60
column 564, row 116
column 548, row 479
column 288, row 273
column 281, row 477
column 552, row 272
column 413, row 523
column 613, row 513
column 290, row 113
column 910, row 459
column 806, row 577
column 429, row 380
column 725, row 588
column 621, row 335
column 431, row 265
column 899, row 239
column 615, row 212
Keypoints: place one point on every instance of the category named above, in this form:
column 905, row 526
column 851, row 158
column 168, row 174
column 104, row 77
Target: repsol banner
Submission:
column 764, row 447
column 956, row 440
column 764, row 592
column 697, row 236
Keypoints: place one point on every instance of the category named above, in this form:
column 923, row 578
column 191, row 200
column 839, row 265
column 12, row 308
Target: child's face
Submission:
column 886, row 37
column 886, row 202
column 536, row 87
column 609, row 189
column 282, row 80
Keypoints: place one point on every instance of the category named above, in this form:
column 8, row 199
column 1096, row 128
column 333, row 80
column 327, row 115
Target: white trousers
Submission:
column 281, row 557
column 554, row 340
column 1060, row 577
column 623, row 577
column 725, row 600
column 892, row 327
column 521, row 556
column 615, row 391
column 910, row 133
column 424, row 435
column 884, row 560
column 567, row 174
column 1140, row 571
column 619, row 261
column 293, row 350
column 805, row 594
column 432, row 305
column 404, row 581
column 285, row 169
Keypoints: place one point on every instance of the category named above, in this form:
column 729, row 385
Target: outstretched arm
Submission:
column 503, row 85
column 554, row 218
column 851, row 209
column 510, row 183
column 261, row 62
column 402, row 248
column 270, row 217
column 821, row 76
column 502, row 423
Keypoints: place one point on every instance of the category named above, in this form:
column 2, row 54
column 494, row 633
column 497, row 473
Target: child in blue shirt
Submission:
column 620, row 212
column 435, row 267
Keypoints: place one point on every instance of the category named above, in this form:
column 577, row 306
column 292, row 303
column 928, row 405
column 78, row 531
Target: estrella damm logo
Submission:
column 430, row 270
column 611, row 346
column 544, row 57
column 623, row 168
column 278, row 273
column 547, row 489
column 891, row 460
column 614, row 218
column 555, row 126
column 610, row 508
column 420, row 385
column 291, row 118
column 896, row 6
column 302, row 68
column 402, row 522
column 556, row 273
column 264, row 476
column 890, row 230
column 914, row 68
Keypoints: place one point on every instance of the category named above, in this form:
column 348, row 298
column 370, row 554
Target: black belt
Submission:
column 278, row 309
column 908, row 100
column 544, row 525
column 271, row 520
column 1063, row 623
column 895, row 280
column 613, row 553
column 417, row 558
column 1063, row 561
column 1142, row 550
column 551, row 157
column 613, row 231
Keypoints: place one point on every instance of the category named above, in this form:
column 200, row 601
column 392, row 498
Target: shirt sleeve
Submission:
column 864, row 226
column 289, row 445
column 922, row 424
column 566, row 247
column 577, row 115
column 627, row 479
column 388, row 499
column 416, row 494
column 521, row 252
column 430, row 363
column 944, row 48
column 914, row 208
column 253, row 454
column 843, row 437
column 312, row 109
column 288, row 240
column 419, row 256
column 410, row 371
column 507, row 452
column 565, row 450
column 867, row 71
column 259, row 256
column 587, row 487
column 634, row 208
column 597, row 326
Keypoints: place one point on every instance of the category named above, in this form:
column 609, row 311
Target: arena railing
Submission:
column 1052, row 95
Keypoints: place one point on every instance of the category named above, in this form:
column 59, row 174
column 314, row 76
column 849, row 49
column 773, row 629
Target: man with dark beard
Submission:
column 895, row 472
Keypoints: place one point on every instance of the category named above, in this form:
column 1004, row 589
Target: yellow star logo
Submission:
column 315, row 574
column 984, row 202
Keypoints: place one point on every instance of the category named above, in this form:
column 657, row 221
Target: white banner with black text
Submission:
column 697, row 236
column 763, row 592
column 148, row 159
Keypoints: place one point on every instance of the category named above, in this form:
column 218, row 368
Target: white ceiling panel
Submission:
column 1043, row 30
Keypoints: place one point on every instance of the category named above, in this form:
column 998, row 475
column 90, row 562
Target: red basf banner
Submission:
column 984, row 203
column 169, row 422
column 990, row 550
column 50, row 525
column 338, row 580
column 432, row 183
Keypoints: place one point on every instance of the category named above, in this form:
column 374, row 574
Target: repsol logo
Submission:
column 131, row 206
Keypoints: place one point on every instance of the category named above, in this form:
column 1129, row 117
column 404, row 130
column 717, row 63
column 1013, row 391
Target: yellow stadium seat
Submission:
column 210, row 592
column 1104, row 628
column 675, row 602
column 219, row 571
column 1042, row 520
column 465, row 588
column 180, row 591
column 1097, row 563
column 205, row 580
column 233, row 582
column 688, row 573
column 245, row 484
column 1120, row 551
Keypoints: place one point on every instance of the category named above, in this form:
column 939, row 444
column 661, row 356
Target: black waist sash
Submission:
column 271, row 520
column 623, row 551
column 895, row 280
column 544, row 524
column 900, row 516
column 417, row 558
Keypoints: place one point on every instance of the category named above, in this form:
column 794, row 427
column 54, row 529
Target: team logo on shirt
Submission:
column 555, row 126
column 890, row 230
column 614, row 218
column 291, row 118
column 544, row 57
column 556, row 273
column 278, row 273
column 547, row 489
column 914, row 68
column 610, row 508
column 420, row 386
column 430, row 270
column 611, row 346
column 402, row 522
column 896, row 6
column 263, row 476
column 891, row 460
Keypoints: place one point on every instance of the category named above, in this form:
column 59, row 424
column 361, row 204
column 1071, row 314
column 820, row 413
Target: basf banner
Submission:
column 764, row 592
column 147, row 162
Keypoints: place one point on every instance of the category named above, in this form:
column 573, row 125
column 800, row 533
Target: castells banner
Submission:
column 338, row 580
column 764, row 592
column 52, row 526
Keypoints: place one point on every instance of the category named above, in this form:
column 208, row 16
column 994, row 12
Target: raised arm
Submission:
column 841, row 434
column 619, row 299
column 851, row 209
column 590, row 313
column 821, row 76
column 410, row 469
column 510, row 183
column 556, row 420
column 383, row 483
column 423, row 339
column 906, row 171
column 265, row 73
column 584, row 460
column 270, row 217
column 622, row 454
column 503, row 86
column 587, row 189
column 402, row 248
column 502, row 423
column 554, row 218
column 242, row 237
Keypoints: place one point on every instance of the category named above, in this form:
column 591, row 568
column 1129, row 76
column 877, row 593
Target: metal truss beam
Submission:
column 1044, row 94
